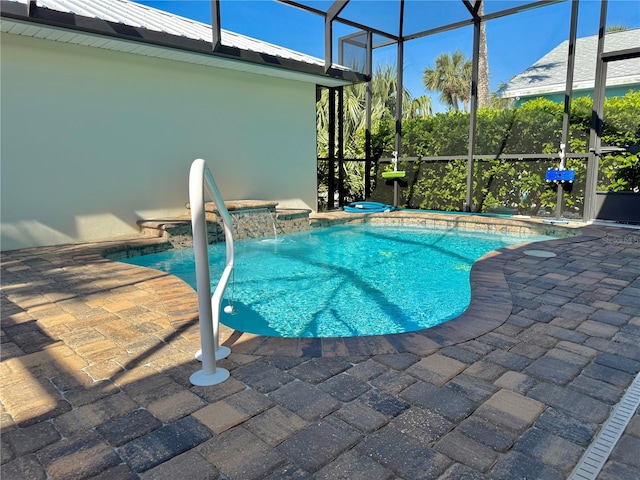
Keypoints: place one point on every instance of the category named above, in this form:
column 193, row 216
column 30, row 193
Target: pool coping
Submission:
column 490, row 305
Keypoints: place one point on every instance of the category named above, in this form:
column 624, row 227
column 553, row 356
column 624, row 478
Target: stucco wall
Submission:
column 94, row 140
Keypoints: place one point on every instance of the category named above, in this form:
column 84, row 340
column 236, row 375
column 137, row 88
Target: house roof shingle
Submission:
column 548, row 75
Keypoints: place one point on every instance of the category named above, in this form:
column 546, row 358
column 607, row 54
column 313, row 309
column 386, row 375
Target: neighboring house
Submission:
column 547, row 77
column 105, row 104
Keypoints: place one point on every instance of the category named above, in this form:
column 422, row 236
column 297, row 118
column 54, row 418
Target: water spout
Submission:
column 255, row 223
column 275, row 225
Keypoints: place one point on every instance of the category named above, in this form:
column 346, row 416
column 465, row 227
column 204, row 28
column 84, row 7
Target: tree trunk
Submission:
column 454, row 102
column 484, row 97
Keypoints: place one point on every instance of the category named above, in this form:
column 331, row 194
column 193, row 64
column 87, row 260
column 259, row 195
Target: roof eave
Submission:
column 560, row 87
column 271, row 64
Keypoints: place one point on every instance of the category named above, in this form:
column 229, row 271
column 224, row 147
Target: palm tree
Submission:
column 383, row 103
column 498, row 101
column 420, row 107
column 451, row 76
column 383, row 86
column 483, row 64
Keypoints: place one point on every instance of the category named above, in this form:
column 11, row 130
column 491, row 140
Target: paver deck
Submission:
column 96, row 357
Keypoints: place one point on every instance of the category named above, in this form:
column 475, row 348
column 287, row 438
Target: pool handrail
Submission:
column 201, row 180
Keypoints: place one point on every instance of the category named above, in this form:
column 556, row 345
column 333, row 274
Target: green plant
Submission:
column 384, row 100
column 621, row 172
column 534, row 127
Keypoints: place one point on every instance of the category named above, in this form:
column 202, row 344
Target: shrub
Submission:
column 534, row 127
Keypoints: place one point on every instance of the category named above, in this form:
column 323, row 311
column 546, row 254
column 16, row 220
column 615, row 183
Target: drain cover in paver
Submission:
column 539, row 253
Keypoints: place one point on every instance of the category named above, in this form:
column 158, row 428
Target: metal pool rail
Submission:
column 201, row 179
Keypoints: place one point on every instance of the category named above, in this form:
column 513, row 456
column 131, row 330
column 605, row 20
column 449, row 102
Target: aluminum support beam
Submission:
column 340, row 146
column 468, row 205
column 399, row 95
column 489, row 16
column 368, row 101
column 350, row 23
column 331, row 188
column 332, row 13
column 595, row 133
column 32, row 6
column 473, row 9
column 216, row 36
column 621, row 54
column 573, row 33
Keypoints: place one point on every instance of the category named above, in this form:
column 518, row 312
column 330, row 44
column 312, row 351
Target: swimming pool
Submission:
column 344, row 281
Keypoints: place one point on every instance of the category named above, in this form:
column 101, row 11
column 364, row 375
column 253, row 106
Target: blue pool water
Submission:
column 344, row 281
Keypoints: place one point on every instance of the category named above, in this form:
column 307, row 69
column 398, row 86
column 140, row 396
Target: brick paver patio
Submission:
column 96, row 357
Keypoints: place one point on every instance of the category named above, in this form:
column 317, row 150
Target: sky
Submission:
column 514, row 43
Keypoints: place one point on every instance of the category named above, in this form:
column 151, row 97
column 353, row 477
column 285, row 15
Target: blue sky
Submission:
column 514, row 42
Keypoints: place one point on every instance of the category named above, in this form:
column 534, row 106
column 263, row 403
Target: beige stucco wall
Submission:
column 94, row 140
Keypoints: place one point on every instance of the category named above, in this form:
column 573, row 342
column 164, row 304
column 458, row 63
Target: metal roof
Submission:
column 549, row 74
column 145, row 18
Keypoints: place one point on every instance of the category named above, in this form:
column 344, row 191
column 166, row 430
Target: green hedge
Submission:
column 534, row 127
